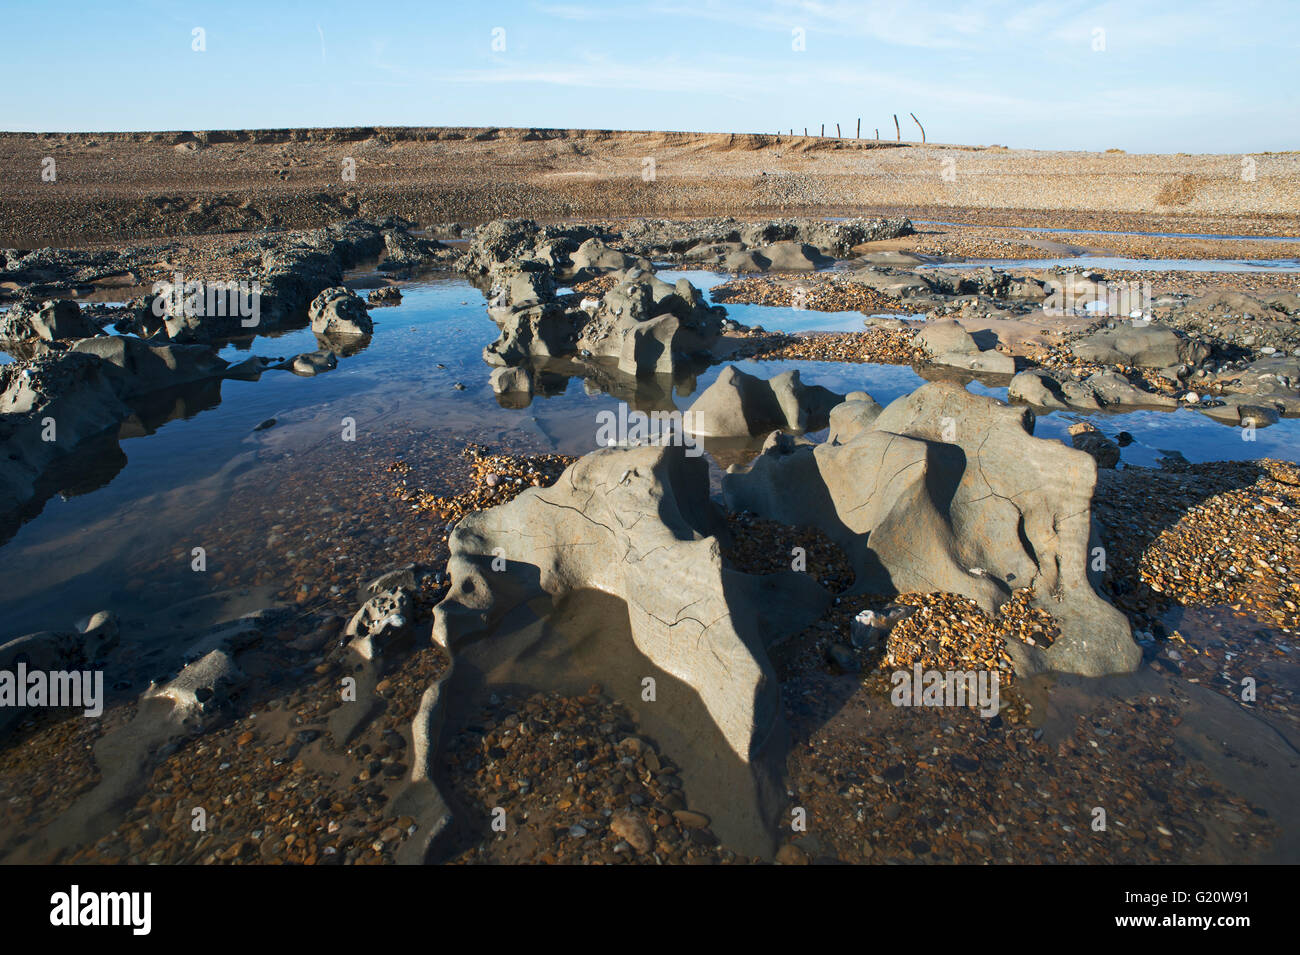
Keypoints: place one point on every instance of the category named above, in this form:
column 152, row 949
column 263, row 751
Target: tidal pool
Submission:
column 193, row 471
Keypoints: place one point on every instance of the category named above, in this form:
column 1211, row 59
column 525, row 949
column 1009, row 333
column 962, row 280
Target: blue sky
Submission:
column 1172, row 77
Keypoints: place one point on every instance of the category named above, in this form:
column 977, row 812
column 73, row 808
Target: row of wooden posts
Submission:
column 897, row 131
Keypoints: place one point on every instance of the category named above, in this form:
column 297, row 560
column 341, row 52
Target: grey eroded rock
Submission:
column 594, row 258
column 50, row 321
column 777, row 257
column 406, row 252
column 711, row 253
column 891, row 282
column 519, row 242
column 99, row 636
column 293, row 268
column 1041, row 389
column 857, row 413
column 498, row 242
column 339, row 311
column 311, row 363
column 1104, row 389
column 950, row 344
column 74, row 393
column 635, row 530
column 742, row 405
column 1242, row 410
column 57, row 651
column 136, row 367
column 1272, row 382
column 200, row 689
column 1147, row 346
column 663, row 238
column 793, row 257
column 516, row 289
column 1113, row 390
column 944, row 481
column 406, row 577
column 647, row 325
column 1088, row 438
column 384, row 297
column 982, row 281
column 533, row 330
column 383, row 621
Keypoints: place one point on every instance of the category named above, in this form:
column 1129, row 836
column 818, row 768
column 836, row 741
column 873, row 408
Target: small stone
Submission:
column 864, row 630
column 689, row 819
column 791, row 854
column 632, row 829
column 842, row 657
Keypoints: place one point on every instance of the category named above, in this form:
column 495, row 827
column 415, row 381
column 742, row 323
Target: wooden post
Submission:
column 805, row 130
column 877, row 134
column 918, row 125
column 859, row 127
column 837, row 131
column 823, row 132
column 897, row 132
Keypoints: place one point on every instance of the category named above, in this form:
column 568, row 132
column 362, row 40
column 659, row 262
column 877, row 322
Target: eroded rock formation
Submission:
column 742, row 405
column 948, row 491
column 638, row 525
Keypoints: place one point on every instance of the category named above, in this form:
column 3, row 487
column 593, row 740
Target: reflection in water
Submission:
column 654, row 392
column 136, row 499
column 344, row 346
column 95, row 462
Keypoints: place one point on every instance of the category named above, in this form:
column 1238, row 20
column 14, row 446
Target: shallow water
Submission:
column 1132, row 265
column 120, row 541
column 1154, row 235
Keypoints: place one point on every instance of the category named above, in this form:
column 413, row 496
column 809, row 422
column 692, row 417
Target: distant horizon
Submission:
column 1157, row 77
column 608, row 129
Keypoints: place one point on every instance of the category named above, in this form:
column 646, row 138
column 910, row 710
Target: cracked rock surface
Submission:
column 634, row 532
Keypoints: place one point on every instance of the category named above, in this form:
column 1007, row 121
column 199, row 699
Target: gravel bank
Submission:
column 119, row 185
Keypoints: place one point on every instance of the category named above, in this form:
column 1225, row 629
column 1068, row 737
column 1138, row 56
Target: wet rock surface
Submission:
column 952, row 516
column 50, row 321
column 741, row 405
column 338, row 311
